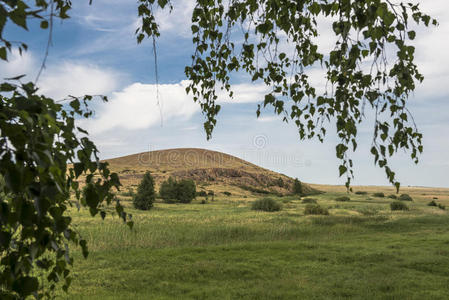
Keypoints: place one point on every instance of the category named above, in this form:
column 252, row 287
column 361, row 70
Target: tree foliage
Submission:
column 43, row 157
column 274, row 41
column 297, row 187
column 183, row 191
column 41, row 161
column 43, row 154
column 145, row 193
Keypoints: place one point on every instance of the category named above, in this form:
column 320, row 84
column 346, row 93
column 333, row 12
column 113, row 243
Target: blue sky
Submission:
column 95, row 52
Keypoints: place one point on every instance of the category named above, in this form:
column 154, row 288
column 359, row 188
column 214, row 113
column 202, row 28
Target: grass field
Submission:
column 225, row 250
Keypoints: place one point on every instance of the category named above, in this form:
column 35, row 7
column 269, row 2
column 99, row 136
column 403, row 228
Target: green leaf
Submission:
column 342, row 169
column 44, row 24
column 83, row 245
column 3, row 54
column 26, row 285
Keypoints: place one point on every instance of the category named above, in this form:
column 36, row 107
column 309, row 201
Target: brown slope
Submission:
column 211, row 170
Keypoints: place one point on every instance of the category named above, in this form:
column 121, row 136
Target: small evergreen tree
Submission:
column 297, row 187
column 145, row 196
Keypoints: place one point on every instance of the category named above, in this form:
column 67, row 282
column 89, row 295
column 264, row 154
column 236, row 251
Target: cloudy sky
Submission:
column 95, row 52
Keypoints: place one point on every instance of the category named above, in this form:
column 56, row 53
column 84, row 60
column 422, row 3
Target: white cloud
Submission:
column 177, row 21
column 17, row 65
column 244, row 93
column 136, row 107
column 60, row 80
column 77, row 79
column 431, row 52
column 269, row 119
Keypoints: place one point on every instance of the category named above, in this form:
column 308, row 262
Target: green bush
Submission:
column 201, row 194
column 343, row 199
column 393, row 196
column 146, row 195
column 439, row 205
column 266, row 204
column 227, row 193
column 379, row 195
column 309, row 200
column 210, row 193
column 432, row 203
column 297, row 187
column 172, row 191
column 398, row 205
column 361, row 193
column 405, row 197
column 203, row 201
column 315, row 209
column 253, row 189
column 186, row 190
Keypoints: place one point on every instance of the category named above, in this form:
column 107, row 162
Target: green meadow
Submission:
column 225, row 250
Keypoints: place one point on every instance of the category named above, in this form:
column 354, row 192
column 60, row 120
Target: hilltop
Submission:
column 211, row 170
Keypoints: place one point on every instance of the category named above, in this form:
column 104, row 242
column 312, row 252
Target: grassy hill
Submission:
column 211, row 170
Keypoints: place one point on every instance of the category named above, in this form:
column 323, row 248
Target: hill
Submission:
column 211, row 170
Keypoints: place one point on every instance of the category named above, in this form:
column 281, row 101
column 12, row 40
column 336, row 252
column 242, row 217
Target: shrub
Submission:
column 201, row 194
column 308, row 200
column 432, row 203
column 227, row 193
column 343, row 199
column 167, row 191
column 280, row 182
column 315, row 209
column 210, row 193
column 398, row 205
column 253, row 189
column 172, row 191
column 405, row 197
column 297, row 187
column 379, row 195
column 439, row 205
column 203, row 201
column 185, row 190
column 145, row 196
column 266, row 204
column 361, row 193
column 393, row 196
column 435, row 198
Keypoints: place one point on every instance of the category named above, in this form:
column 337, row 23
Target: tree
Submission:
column 278, row 49
column 297, row 187
column 186, row 190
column 42, row 158
column 167, row 191
column 145, row 196
column 183, row 191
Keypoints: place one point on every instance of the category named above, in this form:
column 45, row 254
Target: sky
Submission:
column 95, row 52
